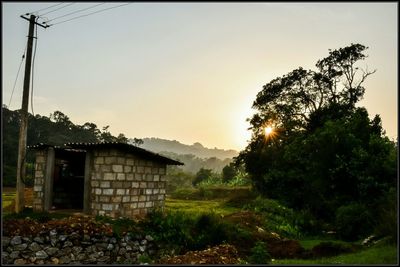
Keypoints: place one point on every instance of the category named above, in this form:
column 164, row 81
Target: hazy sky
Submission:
column 190, row 71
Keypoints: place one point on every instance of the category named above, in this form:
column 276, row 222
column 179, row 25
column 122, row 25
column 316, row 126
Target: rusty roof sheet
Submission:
column 116, row 145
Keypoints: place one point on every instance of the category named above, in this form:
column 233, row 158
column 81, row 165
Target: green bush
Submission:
column 279, row 218
column 172, row 229
column 211, row 181
column 353, row 222
column 183, row 232
column 178, row 179
column 259, row 254
column 239, row 180
column 307, row 223
column 388, row 216
column 144, row 258
column 210, row 230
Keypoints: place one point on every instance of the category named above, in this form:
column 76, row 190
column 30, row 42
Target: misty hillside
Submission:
column 162, row 145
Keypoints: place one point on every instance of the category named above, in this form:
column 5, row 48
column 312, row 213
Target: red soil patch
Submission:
column 80, row 224
column 222, row 254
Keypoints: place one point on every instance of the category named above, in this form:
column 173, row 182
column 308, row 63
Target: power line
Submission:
column 46, row 8
column 15, row 82
column 74, row 12
column 56, row 9
column 88, row 14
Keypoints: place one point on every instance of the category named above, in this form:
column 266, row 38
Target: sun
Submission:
column 268, row 130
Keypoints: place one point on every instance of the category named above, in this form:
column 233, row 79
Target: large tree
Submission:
column 323, row 151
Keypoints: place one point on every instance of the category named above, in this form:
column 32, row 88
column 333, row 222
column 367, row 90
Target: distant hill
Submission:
column 159, row 145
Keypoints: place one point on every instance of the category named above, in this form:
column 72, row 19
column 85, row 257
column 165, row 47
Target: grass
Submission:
column 38, row 216
column 211, row 192
column 7, row 199
column 199, row 206
column 310, row 243
column 382, row 254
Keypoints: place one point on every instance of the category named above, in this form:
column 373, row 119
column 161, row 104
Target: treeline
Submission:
column 57, row 129
column 193, row 164
column 197, row 149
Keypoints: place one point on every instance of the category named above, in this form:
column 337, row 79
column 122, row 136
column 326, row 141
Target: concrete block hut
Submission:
column 109, row 178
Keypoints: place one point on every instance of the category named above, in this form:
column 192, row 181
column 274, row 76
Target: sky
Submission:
column 189, row 71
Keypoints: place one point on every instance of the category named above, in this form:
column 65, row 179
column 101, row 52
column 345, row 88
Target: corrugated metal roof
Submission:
column 41, row 145
column 64, row 147
column 122, row 146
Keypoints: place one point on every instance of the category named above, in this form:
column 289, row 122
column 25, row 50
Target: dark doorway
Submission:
column 68, row 183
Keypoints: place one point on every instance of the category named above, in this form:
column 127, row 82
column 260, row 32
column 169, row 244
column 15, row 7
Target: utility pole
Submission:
column 23, row 130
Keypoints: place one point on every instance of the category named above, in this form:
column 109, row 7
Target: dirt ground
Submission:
column 222, row 254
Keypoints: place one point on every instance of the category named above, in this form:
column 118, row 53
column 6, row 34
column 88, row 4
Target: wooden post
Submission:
column 87, row 185
column 49, row 179
column 20, row 201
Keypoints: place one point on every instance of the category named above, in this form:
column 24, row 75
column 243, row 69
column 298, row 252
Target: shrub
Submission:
column 202, row 175
column 239, row 181
column 144, row 258
column 172, row 229
column 279, row 218
column 182, row 232
column 353, row 221
column 259, row 254
column 211, row 181
column 210, row 230
column 307, row 223
column 387, row 214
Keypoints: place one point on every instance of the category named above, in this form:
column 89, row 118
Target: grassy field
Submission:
column 198, row 206
column 8, row 195
column 7, row 198
column 310, row 243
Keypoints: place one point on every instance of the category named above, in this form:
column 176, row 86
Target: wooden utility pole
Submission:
column 23, row 130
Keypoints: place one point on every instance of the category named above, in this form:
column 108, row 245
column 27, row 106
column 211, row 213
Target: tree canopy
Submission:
column 323, row 151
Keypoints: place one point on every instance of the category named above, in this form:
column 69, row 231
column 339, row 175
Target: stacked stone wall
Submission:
column 38, row 187
column 124, row 185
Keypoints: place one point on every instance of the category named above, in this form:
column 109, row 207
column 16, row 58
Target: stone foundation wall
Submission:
column 38, row 188
column 123, row 185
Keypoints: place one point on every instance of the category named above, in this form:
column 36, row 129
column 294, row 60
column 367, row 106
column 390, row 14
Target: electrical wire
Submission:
column 75, row 12
column 16, row 79
column 88, row 14
column 46, row 8
column 56, row 9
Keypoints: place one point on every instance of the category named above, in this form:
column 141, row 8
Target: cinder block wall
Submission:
column 124, row 185
column 38, row 187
